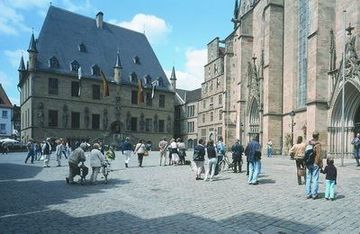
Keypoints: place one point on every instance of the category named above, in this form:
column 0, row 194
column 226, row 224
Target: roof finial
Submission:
column 32, row 45
column 118, row 62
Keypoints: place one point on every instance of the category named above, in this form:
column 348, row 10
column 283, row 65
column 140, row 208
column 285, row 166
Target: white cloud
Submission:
column 15, row 55
column 5, row 80
column 193, row 74
column 11, row 22
column 156, row 29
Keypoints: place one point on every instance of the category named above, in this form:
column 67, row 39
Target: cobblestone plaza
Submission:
column 168, row 199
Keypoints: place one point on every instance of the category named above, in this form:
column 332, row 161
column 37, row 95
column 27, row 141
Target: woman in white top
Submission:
column 96, row 161
column 140, row 150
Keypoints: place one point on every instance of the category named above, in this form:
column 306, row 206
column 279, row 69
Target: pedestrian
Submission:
column 77, row 156
column 313, row 166
column 46, row 152
column 253, row 153
column 37, row 151
column 109, row 153
column 237, row 151
column 199, row 158
column 269, row 149
column 356, row 143
column 220, row 150
column 298, row 152
column 331, row 174
column 174, row 152
column 211, row 153
column 63, row 148
column 31, row 151
column 127, row 150
column 140, row 151
column 181, row 150
column 163, row 145
column 97, row 159
column 58, row 151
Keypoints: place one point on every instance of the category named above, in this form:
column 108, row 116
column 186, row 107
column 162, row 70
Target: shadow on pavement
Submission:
column 15, row 199
column 10, row 171
column 122, row 222
column 267, row 181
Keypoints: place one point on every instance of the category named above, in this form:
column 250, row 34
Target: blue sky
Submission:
column 178, row 31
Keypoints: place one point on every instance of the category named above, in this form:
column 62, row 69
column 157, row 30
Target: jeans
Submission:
column 253, row 171
column 269, row 152
column 199, row 168
column 30, row 154
column 140, row 159
column 211, row 169
column 330, row 189
column 237, row 162
column 312, row 180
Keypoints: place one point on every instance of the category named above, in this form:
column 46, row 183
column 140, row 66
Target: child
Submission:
column 331, row 173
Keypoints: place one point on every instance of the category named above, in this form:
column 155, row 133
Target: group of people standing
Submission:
column 177, row 152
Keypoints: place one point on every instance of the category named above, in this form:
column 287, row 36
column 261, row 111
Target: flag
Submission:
column 154, row 84
column 140, row 95
column 79, row 77
column 105, row 84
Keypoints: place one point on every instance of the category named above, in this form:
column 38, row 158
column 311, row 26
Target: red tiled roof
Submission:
column 4, row 100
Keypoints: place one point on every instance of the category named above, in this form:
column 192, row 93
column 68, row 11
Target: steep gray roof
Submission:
column 64, row 31
column 189, row 96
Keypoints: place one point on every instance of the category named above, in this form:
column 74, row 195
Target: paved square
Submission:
column 156, row 199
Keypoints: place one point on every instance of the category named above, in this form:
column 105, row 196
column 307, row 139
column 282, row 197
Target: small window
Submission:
column 82, row 48
column 203, row 118
column 220, row 99
column 134, row 97
column 211, row 116
column 148, row 99
column 74, row 66
column 161, row 100
column 148, row 125
column 53, row 62
column 220, row 114
column 75, row 119
column 136, row 60
column 95, row 70
column 2, row 128
column 53, row 87
column 4, row 114
column 133, row 124
column 75, row 86
column 133, row 78
column 96, row 92
column 161, row 125
column 148, row 80
column 95, row 121
column 53, row 118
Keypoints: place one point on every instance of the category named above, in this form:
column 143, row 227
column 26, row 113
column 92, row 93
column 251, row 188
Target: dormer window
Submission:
column 161, row 82
column 133, row 78
column 74, row 66
column 136, row 60
column 53, row 62
column 82, row 48
column 95, row 70
column 148, row 80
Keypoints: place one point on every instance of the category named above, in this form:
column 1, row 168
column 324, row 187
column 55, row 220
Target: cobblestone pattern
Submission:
column 156, row 199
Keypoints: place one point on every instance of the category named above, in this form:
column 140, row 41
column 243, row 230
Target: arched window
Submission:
column 136, row 60
column 53, row 62
column 74, row 66
column 147, row 80
column 82, row 48
column 133, row 78
column 95, row 70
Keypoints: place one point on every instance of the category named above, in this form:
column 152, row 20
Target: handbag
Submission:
column 301, row 172
column 146, row 153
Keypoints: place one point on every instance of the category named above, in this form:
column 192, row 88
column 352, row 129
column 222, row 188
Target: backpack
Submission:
column 309, row 157
column 220, row 148
column 47, row 149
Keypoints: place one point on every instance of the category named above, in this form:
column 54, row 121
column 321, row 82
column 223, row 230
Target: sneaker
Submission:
column 308, row 197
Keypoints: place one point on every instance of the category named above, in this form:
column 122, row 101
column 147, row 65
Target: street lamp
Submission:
column 292, row 115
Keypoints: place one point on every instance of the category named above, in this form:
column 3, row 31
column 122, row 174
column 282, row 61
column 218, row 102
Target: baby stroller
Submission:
column 106, row 170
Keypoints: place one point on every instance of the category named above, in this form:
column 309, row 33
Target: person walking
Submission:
column 46, row 152
column 31, row 151
column 174, row 152
column 127, row 149
column 356, row 143
column 77, row 156
column 298, row 152
column 163, row 145
column 199, row 158
column 211, row 153
column 58, row 152
column 181, row 151
column 253, row 153
column 220, row 150
column 237, row 151
column 269, row 148
column 140, row 151
column 97, row 159
column 313, row 166
column 331, row 174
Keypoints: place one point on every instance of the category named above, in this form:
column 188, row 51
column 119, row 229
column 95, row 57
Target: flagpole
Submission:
column 343, row 96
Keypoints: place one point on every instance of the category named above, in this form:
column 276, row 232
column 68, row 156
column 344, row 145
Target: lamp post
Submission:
column 292, row 115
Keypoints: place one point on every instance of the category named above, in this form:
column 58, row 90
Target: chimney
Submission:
column 99, row 20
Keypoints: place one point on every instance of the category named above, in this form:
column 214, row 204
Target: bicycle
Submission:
column 224, row 163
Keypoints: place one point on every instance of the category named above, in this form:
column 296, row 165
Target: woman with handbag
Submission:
column 140, row 150
column 298, row 152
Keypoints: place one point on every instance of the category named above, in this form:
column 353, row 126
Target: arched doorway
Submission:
column 351, row 119
column 254, row 120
